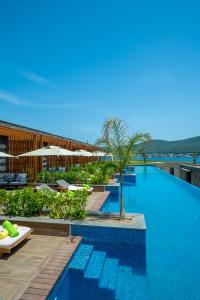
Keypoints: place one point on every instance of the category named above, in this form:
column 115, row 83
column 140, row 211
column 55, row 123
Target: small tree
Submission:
column 117, row 141
column 194, row 156
column 144, row 155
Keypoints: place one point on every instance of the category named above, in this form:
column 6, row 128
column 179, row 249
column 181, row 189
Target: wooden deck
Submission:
column 32, row 269
column 96, row 200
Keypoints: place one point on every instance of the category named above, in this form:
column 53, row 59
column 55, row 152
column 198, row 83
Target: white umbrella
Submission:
column 99, row 154
column 109, row 154
column 49, row 151
column 2, row 154
column 82, row 153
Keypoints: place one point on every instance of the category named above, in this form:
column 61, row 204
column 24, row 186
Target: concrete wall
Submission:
column 167, row 166
column 181, row 171
column 50, row 227
column 195, row 173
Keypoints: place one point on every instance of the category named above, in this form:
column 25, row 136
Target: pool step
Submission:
column 124, row 286
column 95, row 265
column 86, row 288
column 103, row 277
column 140, row 287
column 81, row 258
column 109, row 274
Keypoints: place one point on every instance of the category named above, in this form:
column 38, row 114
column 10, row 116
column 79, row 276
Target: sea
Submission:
column 183, row 159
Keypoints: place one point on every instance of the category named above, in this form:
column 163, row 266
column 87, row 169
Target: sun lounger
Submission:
column 8, row 243
column 65, row 185
column 43, row 187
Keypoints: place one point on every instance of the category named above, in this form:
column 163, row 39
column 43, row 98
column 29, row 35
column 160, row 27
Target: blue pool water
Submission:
column 171, row 269
column 100, row 271
column 172, row 213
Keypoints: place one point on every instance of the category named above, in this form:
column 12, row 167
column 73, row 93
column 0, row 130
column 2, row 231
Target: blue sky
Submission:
column 65, row 66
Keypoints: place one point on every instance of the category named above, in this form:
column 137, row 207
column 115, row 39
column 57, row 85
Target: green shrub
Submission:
column 47, row 177
column 3, row 200
column 95, row 173
column 21, row 202
column 69, row 205
column 27, row 203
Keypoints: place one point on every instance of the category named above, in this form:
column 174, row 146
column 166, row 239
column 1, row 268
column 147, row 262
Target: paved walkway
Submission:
column 96, row 200
column 19, row 269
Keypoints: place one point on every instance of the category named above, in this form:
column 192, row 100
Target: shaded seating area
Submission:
column 67, row 186
column 62, row 186
column 13, row 180
column 45, row 186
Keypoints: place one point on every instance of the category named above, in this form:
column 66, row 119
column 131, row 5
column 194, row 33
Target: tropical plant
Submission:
column 144, row 156
column 27, row 203
column 142, row 151
column 194, row 157
column 117, row 141
column 94, row 173
column 21, row 202
column 69, row 205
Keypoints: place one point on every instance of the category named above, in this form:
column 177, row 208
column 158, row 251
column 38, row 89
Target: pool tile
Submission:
column 81, row 257
column 95, row 265
column 109, row 273
column 124, row 289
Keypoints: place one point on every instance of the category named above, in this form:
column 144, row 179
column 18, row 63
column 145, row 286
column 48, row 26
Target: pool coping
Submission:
column 42, row 284
column 111, row 220
column 102, row 219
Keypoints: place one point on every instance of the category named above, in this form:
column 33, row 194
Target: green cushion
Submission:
column 12, row 231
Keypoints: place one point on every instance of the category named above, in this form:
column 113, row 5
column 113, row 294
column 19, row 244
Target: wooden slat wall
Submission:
column 21, row 141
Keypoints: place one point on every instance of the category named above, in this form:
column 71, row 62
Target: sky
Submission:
column 66, row 66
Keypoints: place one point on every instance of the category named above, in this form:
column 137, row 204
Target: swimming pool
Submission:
column 103, row 271
column 172, row 213
column 171, row 269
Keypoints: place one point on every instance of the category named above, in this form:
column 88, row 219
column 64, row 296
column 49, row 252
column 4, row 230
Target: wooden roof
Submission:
column 35, row 131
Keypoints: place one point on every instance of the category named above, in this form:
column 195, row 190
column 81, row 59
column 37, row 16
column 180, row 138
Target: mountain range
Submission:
column 179, row 146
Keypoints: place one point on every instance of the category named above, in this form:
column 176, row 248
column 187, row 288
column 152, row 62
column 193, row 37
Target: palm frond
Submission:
column 117, row 141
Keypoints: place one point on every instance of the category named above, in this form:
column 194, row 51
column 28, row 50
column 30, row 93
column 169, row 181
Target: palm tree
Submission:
column 117, row 141
column 194, row 156
column 144, row 155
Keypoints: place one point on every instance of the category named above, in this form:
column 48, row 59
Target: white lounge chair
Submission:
column 8, row 243
column 65, row 185
column 45, row 186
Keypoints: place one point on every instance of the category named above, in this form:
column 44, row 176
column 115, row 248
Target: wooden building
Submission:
column 16, row 139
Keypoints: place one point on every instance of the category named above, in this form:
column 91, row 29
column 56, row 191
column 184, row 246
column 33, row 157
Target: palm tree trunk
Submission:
column 121, row 197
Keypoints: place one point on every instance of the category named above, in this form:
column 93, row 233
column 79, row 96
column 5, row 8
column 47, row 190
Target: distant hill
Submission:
column 180, row 146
